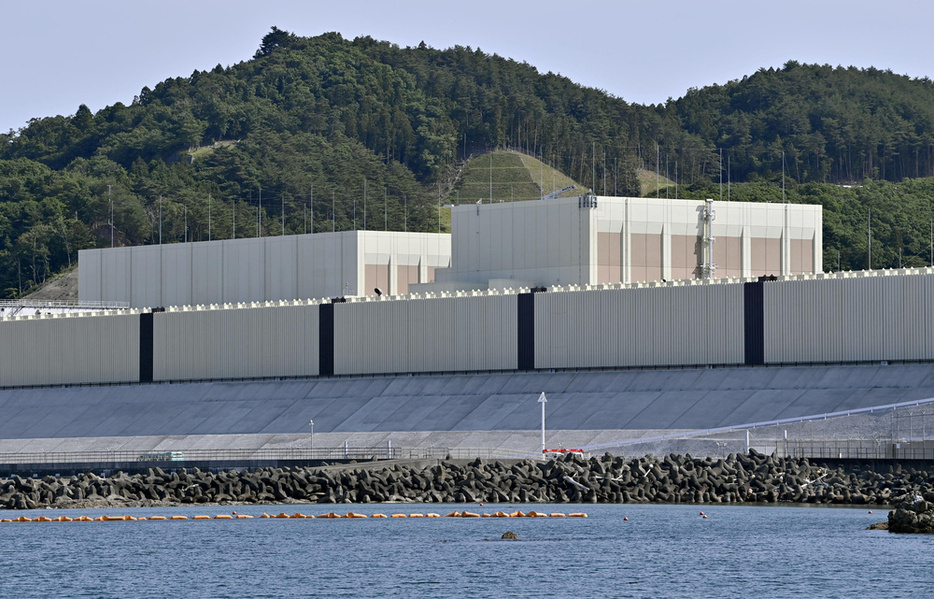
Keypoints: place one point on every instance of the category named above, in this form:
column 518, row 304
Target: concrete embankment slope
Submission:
column 464, row 410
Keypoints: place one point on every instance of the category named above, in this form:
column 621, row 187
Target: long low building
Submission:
column 262, row 269
column 847, row 317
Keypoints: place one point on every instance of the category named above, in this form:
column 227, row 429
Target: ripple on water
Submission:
column 660, row 551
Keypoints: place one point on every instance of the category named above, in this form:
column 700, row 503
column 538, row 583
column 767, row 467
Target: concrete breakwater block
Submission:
column 913, row 514
column 738, row 478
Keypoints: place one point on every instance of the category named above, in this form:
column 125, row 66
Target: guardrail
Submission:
column 179, row 457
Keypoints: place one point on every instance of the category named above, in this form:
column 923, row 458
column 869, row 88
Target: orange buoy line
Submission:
column 283, row 515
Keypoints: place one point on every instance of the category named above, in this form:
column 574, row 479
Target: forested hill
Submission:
column 833, row 124
column 293, row 139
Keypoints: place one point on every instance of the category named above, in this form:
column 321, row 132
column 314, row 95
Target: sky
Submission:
column 59, row 54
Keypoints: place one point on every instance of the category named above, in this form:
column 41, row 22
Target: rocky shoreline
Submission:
column 752, row 478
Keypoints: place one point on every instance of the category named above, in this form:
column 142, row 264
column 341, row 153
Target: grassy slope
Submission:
column 650, row 184
column 516, row 177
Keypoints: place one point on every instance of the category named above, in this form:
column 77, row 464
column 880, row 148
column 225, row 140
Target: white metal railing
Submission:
column 28, row 303
column 179, row 456
column 754, row 425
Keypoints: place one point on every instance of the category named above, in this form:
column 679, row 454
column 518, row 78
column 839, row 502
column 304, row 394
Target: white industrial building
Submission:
column 587, row 240
column 592, row 240
column 320, row 265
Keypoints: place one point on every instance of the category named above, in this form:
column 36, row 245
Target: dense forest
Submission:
column 295, row 139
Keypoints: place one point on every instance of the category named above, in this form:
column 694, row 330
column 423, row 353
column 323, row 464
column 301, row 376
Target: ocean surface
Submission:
column 661, row 551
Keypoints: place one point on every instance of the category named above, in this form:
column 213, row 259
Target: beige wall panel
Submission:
column 802, row 255
column 646, row 261
column 685, row 257
column 377, row 276
column 406, row 275
column 727, row 255
column 766, row 256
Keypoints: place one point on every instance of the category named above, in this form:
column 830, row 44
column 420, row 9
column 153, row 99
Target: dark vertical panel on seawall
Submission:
column 526, row 337
column 326, row 340
column 145, row 347
column 754, row 323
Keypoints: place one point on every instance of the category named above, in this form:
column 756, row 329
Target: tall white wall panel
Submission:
column 281, row 268
column 267, row 341
column 431, row 335
column 65, row 350
column 146, row 277
column 176, row 274
column 208, row 264
column 90, row 276
column 667, row 325
column 884, row 317
column 116, row 261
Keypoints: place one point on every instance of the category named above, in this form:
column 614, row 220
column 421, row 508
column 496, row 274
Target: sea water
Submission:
column 618, row 551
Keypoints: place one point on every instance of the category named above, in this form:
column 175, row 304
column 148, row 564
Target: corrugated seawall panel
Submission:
column 445, row 334
column 849, row 320
column 52, row 351
column 687, row 325
column 267, row 341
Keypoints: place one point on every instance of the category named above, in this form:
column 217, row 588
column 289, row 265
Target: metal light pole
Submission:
column 311, row 423
column 542, row 400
